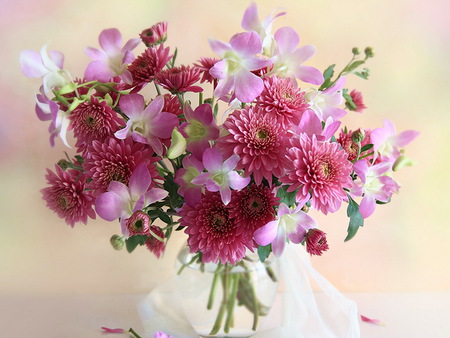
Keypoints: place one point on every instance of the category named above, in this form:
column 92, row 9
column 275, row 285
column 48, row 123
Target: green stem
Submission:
column 231, row 302
column 134, row 333
column 214, row 286
column 223, row 305
column 193, row 259
column 157, row 88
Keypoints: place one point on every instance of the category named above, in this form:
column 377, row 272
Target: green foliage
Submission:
column 286, row 197
column 175, row 200
column 264, row 252
column 133, row 241
column 367, row 147
column 356, row 219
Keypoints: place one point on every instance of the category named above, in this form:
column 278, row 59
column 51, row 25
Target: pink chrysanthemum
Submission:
column 259, row 140
column 115, row 160
column 204, row 65
column 316, row 242
column 154, row 35
column 213, row 232
column 67, row 196
column 179, row 79
column 253, row 207
column 351, row 147
column 154, row 244
column 144, row 68
column 357, row 100
column 283, row 99
column 172, row 105
column 320, row 169
column 138, row 223
column 93, row 120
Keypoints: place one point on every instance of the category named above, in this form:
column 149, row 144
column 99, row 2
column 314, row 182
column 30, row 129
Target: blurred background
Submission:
column 404, row 246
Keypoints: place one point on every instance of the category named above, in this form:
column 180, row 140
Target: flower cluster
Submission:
column 163, row 163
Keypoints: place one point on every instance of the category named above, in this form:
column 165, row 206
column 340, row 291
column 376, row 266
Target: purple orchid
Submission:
column 234, row 71
column 251, row 22
column 192, row 167
column 386, row 142
column 375, row 184
column 289, row 58
column 146, row 124
column 199, row 129
column 220, row 175
column 326, row 104
column 161, row 334
column 46, row 110
column 120, row 201
column 293, row 224
column 310, row 124
column 41, row 65
column 111, row 60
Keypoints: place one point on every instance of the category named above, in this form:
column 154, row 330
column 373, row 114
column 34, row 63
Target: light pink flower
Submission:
column 292, row 224
column 121, row 201
column 146, row 124
column 192, row 167
column 111, row 60
column 386, row 142
column 374, row 184
column 234, row 71
column 47, row 109
column 289, row 59
column 160, row 334
column 251, row 22
column 310, row 124
column 213, row 232
column 68, row 196
column 199, row 129
column 326, row 104
column 259, row 140
column 41, row 65
column 320, row 172
column 220, row 175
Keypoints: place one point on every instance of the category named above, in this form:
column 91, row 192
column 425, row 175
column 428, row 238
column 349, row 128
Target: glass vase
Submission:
column 226, row 300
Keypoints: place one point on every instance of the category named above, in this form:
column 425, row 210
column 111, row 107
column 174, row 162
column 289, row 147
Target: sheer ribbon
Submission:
column 298, row 312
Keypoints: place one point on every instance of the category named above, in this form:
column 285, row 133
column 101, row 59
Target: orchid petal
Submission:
column 266, row 234
column 95, row 53
column 225, row 194
column 132, row 104
column 279, row 243
column 367, row 206
column 139, row 181
column 236, row 181
column 287, row 39
column 309, row 75
column 154, row 195
column 219, row 47
column 405, row 137
column 109, row 206
column 212, row 159
column 246, row 44
column 31, row 64
column 250, row 21
column 110, row 40
column 248, row 86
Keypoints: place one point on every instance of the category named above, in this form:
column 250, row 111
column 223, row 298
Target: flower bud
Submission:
column 117, row 242
column 355, row 51
column 138, row 223
column 316, row 242
column 358, row 136
column 154, row 35
column 64, row 164
column 369, row 52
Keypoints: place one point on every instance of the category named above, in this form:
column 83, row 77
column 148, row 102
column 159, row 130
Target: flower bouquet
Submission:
column 162, row 161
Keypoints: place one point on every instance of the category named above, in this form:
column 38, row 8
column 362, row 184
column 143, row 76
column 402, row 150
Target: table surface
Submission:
column 72, row 316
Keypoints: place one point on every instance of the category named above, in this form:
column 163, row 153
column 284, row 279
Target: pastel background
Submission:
column 404, row 246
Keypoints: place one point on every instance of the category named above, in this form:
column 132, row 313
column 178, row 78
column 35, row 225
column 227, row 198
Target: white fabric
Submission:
column 298, row 312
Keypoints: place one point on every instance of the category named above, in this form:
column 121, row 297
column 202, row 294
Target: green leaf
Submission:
column 353, row 65
column 362, row 75
column 348, row 99
column 264, row 252
column 286, row 197
column 367, row 147
column 329, row 72
column 133, row 241
column 68, row 88
column 163, row 216
column 356, row 219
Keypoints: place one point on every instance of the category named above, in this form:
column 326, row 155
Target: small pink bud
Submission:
column 316, row 242
column 138, row 223
column 154, row 35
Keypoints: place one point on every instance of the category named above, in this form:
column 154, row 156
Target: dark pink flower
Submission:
column 138, row 223
column 144, row 68
column 154, row 35
column 154, row 244
column 351, row 147
column 357, row 100
column 316, row 242
column 172, row 105
column 213, row 232
column 115, row 160
column 320, row 172
column 179, row 79
column 253, row 207
column 283, row 99
column 205, row 65
column 259, row 140
column 93, row 120
column 67, row 196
